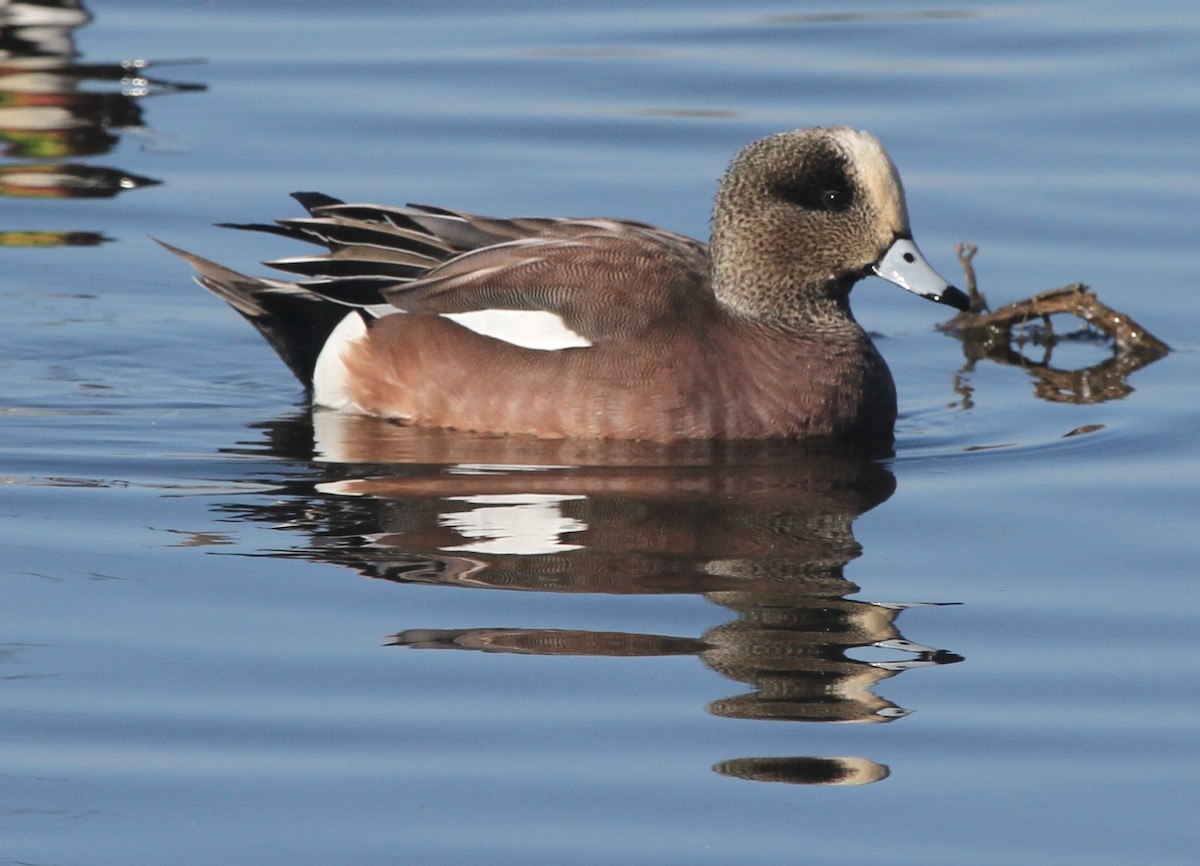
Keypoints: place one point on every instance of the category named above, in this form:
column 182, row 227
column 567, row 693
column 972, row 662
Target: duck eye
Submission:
column 835, row 199
column 830, row 197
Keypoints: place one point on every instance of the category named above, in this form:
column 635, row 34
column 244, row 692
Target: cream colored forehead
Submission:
column 876, row 175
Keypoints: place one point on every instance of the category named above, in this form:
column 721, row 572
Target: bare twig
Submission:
column 993, row 335
column 966, row 252
column 1075, row 299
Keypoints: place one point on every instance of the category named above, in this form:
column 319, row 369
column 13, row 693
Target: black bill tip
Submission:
column 956, row 298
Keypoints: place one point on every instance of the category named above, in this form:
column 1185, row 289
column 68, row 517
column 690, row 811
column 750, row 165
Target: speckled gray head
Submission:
column 803, row 215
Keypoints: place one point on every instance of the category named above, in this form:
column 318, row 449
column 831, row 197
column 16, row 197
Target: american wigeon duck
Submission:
column 430, row 315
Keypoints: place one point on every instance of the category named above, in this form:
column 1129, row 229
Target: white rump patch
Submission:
column 531, row 329
column 331, row 380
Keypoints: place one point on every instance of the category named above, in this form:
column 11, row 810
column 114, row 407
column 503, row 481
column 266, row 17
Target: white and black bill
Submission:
column 904, row 265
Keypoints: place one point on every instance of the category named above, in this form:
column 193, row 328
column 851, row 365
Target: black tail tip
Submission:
column 312, row 200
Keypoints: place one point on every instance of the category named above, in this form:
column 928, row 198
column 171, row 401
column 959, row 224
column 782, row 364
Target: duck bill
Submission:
column 904, row 265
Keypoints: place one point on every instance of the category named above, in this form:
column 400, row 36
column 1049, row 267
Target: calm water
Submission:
column 221, row 617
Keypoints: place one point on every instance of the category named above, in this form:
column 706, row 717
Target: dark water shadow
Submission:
column 763, row 530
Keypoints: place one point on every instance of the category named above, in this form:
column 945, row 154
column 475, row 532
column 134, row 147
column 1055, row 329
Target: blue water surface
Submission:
column 234, row 632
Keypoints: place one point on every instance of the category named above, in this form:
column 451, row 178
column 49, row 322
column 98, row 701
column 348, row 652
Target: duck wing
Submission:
column 606, row 278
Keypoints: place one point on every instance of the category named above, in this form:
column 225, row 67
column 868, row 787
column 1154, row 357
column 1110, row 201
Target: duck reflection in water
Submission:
column 761, row 529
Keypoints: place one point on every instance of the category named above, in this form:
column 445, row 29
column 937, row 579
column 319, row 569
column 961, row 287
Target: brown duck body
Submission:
column 730, row 379
column 750, row 337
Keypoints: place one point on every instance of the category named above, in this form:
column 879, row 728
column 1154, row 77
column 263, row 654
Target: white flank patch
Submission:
column 531, row 329
column 522, row 524
column 331, row 380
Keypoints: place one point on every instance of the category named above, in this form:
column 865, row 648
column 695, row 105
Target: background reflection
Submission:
column 55, row 107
